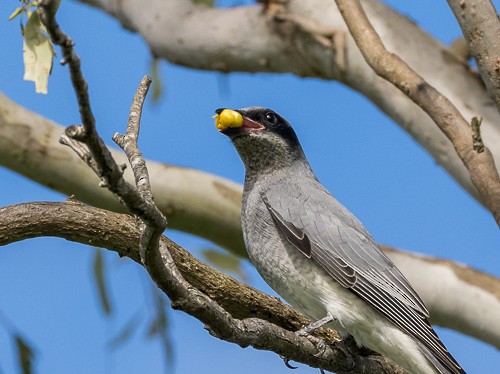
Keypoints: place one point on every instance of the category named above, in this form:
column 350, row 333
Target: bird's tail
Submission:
column 451, row 366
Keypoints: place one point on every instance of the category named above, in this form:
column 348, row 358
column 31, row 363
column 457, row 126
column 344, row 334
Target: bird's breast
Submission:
column 292, row 275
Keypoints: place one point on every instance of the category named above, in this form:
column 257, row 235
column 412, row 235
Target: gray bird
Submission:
column 317, row 255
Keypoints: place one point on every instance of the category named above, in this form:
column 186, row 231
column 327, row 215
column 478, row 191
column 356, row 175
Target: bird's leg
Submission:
column 315, row 325
column 307, row 330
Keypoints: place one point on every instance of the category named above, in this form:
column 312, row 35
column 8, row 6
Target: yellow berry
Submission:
column 228, row 118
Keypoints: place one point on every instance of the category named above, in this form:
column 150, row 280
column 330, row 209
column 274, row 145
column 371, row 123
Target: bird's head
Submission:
column 264, row 140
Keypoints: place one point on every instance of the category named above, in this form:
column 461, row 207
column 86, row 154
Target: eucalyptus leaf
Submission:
column 15, row 13
column 38, row 53
column 25, row 354
column 126, row 332
column 224, row 261
column 99, row 272
column 157, row 86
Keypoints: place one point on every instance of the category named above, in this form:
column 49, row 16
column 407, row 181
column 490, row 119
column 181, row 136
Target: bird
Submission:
column 317, row 255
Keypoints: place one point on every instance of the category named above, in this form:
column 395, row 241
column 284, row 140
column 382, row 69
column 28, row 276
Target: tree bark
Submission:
column 455, row 302
column 480, row 25
column 310, row 39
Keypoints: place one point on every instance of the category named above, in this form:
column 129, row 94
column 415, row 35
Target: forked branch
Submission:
column 389, row 66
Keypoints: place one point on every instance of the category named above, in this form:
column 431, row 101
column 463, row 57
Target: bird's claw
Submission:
column 286, row 361
column 306, row 332
column 318, row 343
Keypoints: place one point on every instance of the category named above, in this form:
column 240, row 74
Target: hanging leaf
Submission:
column 158, row 327
column 100, row 279
column 25, row 355
column 224, row 261
column 126, row 332
column 157, row 79
column 38, row 53
column 159, row 323
column 15, row 13
column 210, row 3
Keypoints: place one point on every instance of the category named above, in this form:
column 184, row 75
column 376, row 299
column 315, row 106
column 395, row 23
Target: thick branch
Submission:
column 458, row 297
column 72, row 221
column 389, row 66
column 465, row 292
column 480, row 25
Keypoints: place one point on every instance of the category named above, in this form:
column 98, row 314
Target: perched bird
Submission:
column 317, row 255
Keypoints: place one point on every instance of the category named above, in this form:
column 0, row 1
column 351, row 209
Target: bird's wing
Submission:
column 326, row 232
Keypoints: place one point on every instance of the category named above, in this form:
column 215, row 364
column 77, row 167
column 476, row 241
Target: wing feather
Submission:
column 340, row 244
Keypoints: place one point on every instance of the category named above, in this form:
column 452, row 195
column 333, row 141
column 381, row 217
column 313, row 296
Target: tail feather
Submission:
column 449, row 367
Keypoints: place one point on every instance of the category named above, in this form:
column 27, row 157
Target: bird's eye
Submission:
column 271, row 117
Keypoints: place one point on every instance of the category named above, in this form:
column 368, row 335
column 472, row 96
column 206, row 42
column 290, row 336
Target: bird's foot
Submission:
column 307, row 330
column 318, row 343
column 286, row 361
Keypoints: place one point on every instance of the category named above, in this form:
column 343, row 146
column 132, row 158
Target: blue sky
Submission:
column 374, row 168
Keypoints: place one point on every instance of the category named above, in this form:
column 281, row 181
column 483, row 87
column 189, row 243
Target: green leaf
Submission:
column 126, row 332
column 100, row 279
column 157, row 80
column 38, row 53
column 159, row 323
column 15, row 13
column 158, row 327
column 25, row 355
column 210, row 3
column 224, row 261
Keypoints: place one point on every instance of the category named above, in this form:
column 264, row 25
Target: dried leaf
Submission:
column 38, row 53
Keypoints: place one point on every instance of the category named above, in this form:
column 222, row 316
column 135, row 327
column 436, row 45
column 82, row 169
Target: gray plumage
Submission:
column 313, row 252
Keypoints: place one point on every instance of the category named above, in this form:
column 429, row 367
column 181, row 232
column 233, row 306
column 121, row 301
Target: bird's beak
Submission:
column 227, row 119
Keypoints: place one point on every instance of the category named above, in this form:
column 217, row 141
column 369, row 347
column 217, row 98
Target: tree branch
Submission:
column 210, row 208
column 478, row 292
column 255, row 40
column 244, row 307
column 480, row 25
column 461, row 294
column 389, row 66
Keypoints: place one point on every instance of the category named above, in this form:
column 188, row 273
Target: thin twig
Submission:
column 81, row 151
column 129, row 142
column 389, row 66
column 154, row 221
column 107, row 169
